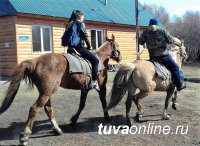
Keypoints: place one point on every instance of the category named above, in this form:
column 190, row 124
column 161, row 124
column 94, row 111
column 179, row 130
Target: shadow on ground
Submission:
column 44, row 129
column 13, row 131
column 193, row 80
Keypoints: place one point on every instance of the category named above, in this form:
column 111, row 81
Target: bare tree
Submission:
column 188, row 29
column 159, row 12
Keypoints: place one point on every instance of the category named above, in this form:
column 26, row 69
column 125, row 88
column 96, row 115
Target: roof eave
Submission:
column 62, row 19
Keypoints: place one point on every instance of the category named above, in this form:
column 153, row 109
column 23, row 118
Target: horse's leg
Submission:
column 102, row 95
column 174, row 100
column 131, row 95
column 137, row 100
column 81, row 107
column 168, row 97
column 42, row 100
column 50, row 113
column 129, row 121
column 138, row 105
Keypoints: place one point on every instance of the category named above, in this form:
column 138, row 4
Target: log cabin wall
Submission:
column 125, row 37
column 22, row 33
column 19, row 30
column 8, row 53
column 24, row 28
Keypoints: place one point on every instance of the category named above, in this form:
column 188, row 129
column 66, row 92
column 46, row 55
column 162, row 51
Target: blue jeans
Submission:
column 174, row 68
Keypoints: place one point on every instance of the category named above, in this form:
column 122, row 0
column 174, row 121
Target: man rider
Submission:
column 156, row 40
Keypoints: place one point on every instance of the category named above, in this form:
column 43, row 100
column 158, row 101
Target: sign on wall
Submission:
column 24, row 37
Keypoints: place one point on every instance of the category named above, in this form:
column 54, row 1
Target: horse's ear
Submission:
column 113, row 37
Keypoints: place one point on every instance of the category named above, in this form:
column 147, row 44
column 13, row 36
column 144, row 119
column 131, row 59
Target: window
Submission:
column 41, row 36
column 96, row 38
column 142, row 47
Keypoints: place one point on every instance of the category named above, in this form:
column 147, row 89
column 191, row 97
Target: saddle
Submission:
column 80, row 65
column 161, row 71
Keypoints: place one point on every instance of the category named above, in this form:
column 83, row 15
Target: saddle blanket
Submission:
column 162, row 71
column 79, row 65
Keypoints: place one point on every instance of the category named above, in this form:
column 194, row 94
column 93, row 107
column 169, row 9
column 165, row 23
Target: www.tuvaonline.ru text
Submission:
column 151, row 128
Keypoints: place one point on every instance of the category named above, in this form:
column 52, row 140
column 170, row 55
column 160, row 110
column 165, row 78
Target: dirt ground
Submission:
column 66, row 103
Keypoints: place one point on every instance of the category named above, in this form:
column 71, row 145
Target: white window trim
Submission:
column 97, row 36
column 142, row 47
column 42, row 40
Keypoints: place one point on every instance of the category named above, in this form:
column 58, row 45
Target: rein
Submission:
column 104, row 53
column 141, row 52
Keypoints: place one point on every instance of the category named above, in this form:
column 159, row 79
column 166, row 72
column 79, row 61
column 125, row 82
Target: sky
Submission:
column 175, row 7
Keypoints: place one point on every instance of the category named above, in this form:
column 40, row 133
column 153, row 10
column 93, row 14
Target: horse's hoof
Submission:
column 166, row 117
column 57, row 131
column 137, row 117
column 130, row 122
column 74, row 119
column 174, row 106
column 23, row 143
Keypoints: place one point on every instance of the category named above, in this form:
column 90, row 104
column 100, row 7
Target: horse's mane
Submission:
column 173, row 47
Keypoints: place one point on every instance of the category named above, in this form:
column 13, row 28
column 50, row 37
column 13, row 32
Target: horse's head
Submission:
column 115, row 53
column 110, row 49
column 178, row 53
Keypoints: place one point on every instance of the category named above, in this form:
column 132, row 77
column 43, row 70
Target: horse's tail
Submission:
column 23, row 71
column 120, row 84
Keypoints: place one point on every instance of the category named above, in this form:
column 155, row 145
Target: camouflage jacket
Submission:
column 156, row 40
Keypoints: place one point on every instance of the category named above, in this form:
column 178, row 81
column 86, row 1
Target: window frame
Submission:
column 96, row 35
column 142, row 47
column 42, row 39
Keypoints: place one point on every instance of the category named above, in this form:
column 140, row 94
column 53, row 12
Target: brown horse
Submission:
column 49, row 72
column 141, row 75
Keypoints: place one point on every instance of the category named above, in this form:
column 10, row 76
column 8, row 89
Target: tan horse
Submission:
column 141, row 75
column 49, row 72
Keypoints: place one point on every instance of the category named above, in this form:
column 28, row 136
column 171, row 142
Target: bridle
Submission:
column 113, row 49
column 181, row 52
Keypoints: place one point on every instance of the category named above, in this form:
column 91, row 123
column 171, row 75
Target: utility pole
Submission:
column 137, row 28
